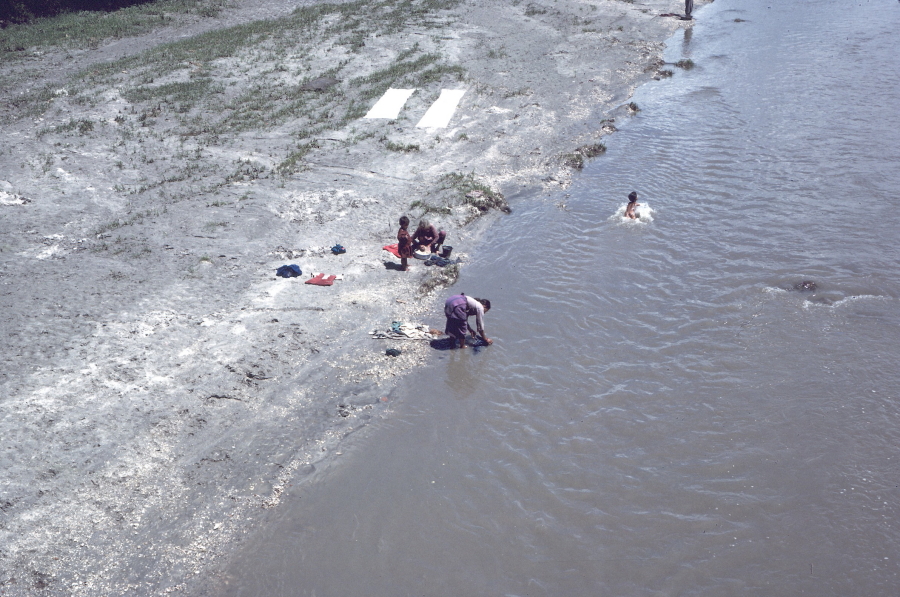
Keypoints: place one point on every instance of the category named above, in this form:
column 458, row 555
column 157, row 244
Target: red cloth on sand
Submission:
column 321, row 280
column 392, row 249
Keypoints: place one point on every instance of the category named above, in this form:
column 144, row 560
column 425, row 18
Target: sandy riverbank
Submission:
column 160, row 387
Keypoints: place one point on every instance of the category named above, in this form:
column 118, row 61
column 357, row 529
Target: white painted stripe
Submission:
column 390, row 104
column 441, row 111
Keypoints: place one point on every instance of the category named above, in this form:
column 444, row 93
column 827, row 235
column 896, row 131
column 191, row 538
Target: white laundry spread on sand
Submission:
column 390, row 104
column 407, row 331
column 441, row 111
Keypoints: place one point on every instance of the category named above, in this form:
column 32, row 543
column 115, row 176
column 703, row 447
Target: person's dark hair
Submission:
column 486, row 303
column 632, row 196
column 404, row 221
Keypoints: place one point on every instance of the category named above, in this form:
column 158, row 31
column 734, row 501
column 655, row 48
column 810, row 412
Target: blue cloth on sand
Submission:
column 289, row 271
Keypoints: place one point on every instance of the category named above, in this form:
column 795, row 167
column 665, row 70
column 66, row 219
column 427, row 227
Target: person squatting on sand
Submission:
column 426, row 235
column 632, row 203
column 404, row 243
column 458, row 309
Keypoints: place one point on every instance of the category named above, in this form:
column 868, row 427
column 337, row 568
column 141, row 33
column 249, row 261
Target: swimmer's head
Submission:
column 632, row 196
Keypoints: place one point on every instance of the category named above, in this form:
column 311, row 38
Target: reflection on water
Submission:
column 662, row 412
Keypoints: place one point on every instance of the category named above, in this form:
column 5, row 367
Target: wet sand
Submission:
column 160, row 388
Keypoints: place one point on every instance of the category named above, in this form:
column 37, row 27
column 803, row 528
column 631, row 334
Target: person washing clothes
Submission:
column 458, row 309
column 426, row 235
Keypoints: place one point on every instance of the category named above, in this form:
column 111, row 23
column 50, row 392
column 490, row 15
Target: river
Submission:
column 662, row 413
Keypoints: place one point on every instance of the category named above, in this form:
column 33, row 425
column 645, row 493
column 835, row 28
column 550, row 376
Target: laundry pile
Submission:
column 289, row 271
column 440, row 261
column 405, row 331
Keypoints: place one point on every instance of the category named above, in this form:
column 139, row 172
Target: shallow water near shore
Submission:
column 662, row 413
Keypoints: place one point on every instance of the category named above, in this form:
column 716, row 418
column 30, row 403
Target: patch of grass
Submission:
column 212, row 226
column 441, row 277
column 533, row 9
column 30, row 104
column 516, row 92
column 135, row 218
column 246, row 171
column 474, row 193
column 379, row 81
column 186, row 93
column 592, row 150
column 82, row 126
column 685, row 63
column 665, row 74
column 294, row 161
column 428, row 208
column 206, row 259
column 400, row 147
column 573, row 160
column 80, row 29
column 576, row 158
column 273, row 100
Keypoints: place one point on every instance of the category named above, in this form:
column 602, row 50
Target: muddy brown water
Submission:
column 662, row 413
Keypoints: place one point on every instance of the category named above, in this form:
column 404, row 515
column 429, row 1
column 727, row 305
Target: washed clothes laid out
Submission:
column 403, row 331
column 289, row 271
column 440, row 261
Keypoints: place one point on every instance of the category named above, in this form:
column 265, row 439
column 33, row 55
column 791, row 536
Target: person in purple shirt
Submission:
column 426, row 235
column 458, row 309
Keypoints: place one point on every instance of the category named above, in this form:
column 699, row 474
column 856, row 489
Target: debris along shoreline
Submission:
column 160, row 386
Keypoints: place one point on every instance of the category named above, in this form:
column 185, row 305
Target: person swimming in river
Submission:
column 427, row 235
column 458, row 309
column 404, row 244
column 632, row 204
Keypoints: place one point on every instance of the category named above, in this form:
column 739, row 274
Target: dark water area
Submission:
column 662, row 413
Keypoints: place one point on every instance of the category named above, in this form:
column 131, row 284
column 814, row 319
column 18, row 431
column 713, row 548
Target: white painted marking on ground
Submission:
column 441, row 111
column 390, row 104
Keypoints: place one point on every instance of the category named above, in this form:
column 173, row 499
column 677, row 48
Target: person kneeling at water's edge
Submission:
column 458, row 309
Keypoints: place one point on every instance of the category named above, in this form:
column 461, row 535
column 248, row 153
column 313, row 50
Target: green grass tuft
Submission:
column 474, row 193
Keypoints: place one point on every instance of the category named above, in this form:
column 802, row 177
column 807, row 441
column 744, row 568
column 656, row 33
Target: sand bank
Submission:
column 160, row 387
